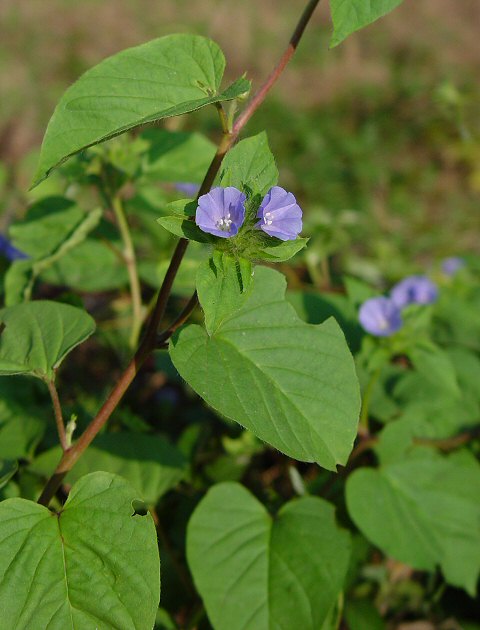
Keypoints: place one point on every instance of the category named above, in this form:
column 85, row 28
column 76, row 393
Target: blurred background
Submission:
column 379, row 137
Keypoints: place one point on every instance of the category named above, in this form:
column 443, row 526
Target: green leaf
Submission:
column 166, row 77
column 148, row 462
column 351, row 15
column 177, row 156
column 52, row 228
column 290, row 383
column 220, row 289
column 79, row 268
column 279, row 251
column 423, row 511
column 38, row 336
column 184, row 228
column 435, row 365
column 7, row 469
column 250, row 164
column 255, row 573
column 92, row 565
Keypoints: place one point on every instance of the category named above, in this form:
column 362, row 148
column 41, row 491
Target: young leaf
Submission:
column 92, row 565
column 250, row 164
column 351, row 15
column 279, row 251
column 184, row 228
column 38, row 336
column 256, row 573
column 53, row 227
column 168, row 76
column 220, row 287
column 149, row 462
column 423, row 511
column 290, row 383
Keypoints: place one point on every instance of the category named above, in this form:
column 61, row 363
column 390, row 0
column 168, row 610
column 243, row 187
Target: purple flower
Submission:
column 188, row 188
column 380, row 317
column 450, row 266
column 414, row 290
column 9, row 251
column 280, row 215
column 221, row 211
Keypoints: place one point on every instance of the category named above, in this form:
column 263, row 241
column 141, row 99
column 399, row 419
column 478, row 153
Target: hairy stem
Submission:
column 130, row 261
column 150, row 340
column 57, row 410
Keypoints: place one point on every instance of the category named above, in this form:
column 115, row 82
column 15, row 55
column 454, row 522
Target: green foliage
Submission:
column 256, row 572
column 166, row 77
column 148, row 462
column 252, row 370
column 351, row 15
column 423, row 510
column 37, row 336
column 250, row 165
column 93, row 563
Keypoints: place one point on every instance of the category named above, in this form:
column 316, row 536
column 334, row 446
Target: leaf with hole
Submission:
column 94, row 564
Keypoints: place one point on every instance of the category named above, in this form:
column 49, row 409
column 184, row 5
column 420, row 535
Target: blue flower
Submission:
column 414, row 290
column 221, row 211
column 280, row 215
column 379, row 316
column 9, row 251
column 450, row 266
column 188, row 188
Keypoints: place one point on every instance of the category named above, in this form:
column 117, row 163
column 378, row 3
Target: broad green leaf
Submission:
column 423, row 511
column 255, row 573
column 349, row 16
column 177, row 156
column 7, row 469
column 79, row 269
column 220, row 289
column 250, row 164
column 38, row 335
column 166, row 77
column 148, row 462
column 290, row 383
column 94, row 564
column 52, row 228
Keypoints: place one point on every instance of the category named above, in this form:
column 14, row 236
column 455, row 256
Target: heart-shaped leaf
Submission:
column 37, row 336
column 291, row 383
column 94, row 564
column 424, row 511
column 168, row 76
column 255, row 573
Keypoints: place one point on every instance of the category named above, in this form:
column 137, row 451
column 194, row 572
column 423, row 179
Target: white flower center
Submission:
column 224, row 223
column 268, row 218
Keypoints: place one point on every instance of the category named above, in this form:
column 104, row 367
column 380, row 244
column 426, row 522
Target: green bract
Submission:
column 257, row 573
column 168, row 76
column 37, row 336
column 92, row 565
column 291, row 383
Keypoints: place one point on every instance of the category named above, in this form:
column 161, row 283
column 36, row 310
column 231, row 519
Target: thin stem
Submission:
column 130, row 260
column 149, row 342
column 57, row 410
column 223, row 118
column 363, row 427
column 180, row 320
column 260, row 96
